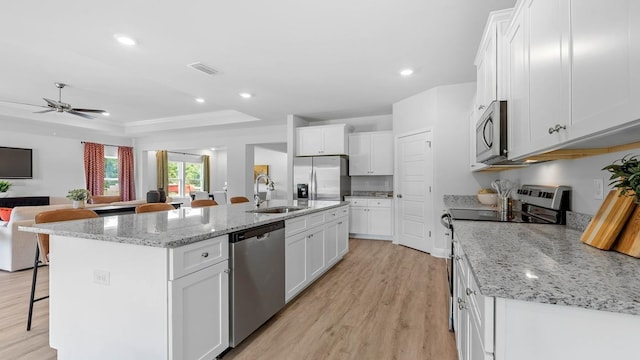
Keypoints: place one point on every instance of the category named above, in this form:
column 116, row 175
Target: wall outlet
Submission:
column 101, row 277
column 598, row 189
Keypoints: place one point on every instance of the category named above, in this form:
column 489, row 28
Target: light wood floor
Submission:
column 381, row 301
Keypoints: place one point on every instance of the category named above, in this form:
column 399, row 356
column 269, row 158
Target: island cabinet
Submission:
column 313, row 244
column 321, row 140
column 564, row 86
column 371, row 153
column 121, row 301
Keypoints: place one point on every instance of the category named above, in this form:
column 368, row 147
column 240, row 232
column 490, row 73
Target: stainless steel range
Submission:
column 538, row 204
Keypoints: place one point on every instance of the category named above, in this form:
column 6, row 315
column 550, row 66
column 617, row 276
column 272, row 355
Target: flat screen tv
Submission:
column 16, row 163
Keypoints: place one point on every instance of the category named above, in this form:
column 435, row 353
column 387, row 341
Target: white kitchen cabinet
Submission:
column 573, row 72
column 199, row 321
column 321, row 140
column 489, row 62
column 370, row 218
column 371, row 153
column 314, row 243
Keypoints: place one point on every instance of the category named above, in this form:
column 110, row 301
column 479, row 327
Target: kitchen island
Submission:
column 533, row 291
column 155, row 285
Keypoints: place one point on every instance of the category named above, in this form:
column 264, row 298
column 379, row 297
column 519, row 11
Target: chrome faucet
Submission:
column 270, row 187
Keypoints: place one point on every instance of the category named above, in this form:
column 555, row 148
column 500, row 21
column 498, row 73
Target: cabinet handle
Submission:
column 459, row 301
column 340, row 223
column 557, row 128
column 226, row 271
column 399, row 196
column 310, row 236
column 205, row 254
column 469, row 292
column 481, row 107
column 460, row 306
column 458, row 258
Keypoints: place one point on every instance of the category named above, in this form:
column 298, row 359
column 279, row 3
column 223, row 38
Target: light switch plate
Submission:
column 598, row 189
column 101, row 277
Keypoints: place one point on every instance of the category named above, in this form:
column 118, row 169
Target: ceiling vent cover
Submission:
column 203, row 68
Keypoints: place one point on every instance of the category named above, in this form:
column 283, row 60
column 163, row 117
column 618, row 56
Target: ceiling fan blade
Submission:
column 80, row 114
column 89, row 110
column 44, row 111
column 53, row 103
column 21, row 103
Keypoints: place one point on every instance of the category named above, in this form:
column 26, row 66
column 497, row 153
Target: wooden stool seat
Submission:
column 151, row 207
column 203, row 202
column 238, row 200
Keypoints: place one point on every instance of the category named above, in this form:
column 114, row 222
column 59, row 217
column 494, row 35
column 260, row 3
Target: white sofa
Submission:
column 17, row 248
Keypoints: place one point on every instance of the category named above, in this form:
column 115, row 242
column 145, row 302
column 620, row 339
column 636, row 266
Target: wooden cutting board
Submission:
column 629, row 240
column 605, row 226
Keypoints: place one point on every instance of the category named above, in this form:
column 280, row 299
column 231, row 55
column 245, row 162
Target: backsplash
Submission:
column 371, row 184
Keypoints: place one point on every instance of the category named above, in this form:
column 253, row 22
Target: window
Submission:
column 111, row 185
column 184, row 177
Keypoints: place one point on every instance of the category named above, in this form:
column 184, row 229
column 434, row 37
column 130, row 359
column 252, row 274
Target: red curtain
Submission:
column 125, row 173
column 94, row 167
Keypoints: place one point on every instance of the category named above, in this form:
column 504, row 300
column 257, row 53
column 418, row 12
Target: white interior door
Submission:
column 414, row 192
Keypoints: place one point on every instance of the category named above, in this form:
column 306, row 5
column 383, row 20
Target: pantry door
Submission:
column 414, row 195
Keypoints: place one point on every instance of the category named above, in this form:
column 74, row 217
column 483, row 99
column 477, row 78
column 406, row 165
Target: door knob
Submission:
column 399, row 196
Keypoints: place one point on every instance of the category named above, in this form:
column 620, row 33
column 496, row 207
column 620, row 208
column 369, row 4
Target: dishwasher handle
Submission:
column 258, row 232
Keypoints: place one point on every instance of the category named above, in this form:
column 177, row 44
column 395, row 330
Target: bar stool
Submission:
column 238, row 200
column 43, row 245
column 151, row 207
column 203, row 202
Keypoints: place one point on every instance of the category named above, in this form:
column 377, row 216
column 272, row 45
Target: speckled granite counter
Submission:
column 178, row 227
column 548, row 264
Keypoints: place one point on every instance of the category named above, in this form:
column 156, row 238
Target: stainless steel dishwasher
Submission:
column 257, row 278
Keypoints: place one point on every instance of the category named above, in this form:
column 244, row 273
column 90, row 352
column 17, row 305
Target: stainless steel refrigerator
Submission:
column 321, row 178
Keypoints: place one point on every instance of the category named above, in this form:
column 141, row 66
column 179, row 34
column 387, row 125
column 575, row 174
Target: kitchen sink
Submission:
column 278, row 210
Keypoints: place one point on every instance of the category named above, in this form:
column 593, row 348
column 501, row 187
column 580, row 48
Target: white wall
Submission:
column 579, row 174
column 364, row 123
column 58, row 162
column 218, row 169
column 277, row 161
column 445, row 110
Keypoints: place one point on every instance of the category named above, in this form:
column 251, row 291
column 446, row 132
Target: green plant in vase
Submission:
column 625, row 176
column 4, row 186
column 79, row 197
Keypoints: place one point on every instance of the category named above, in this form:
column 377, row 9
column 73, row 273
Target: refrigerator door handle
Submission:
column 312, row 188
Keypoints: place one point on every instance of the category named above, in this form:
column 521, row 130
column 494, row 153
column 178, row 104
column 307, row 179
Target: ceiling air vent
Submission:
column 203, row 68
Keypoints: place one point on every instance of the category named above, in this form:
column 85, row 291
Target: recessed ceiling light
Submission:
column 200, row 100
column 106, row 113
column 124, row 40
column 246, row 95
column 406, row 72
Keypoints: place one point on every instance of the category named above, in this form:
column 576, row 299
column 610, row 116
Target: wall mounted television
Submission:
column 16, row 163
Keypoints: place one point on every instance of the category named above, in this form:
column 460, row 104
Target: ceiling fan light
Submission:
column 125, row 40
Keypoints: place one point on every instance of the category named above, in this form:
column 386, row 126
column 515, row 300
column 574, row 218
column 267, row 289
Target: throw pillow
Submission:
column 5, row 214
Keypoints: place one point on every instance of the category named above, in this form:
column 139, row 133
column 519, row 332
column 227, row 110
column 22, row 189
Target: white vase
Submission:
column 4, row 194
column 78, row 204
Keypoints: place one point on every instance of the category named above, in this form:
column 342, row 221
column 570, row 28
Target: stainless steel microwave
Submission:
column 491, row 134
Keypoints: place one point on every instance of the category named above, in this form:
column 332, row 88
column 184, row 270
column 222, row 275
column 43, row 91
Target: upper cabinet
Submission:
column 371, row 153
column 489, row 62
column 321, row 140
column 573, row 71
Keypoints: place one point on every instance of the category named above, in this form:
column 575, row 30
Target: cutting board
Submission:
column 605, row 226
column 629, row 240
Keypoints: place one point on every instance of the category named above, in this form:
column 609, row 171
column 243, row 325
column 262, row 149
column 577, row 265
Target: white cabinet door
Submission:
column 315, row 253
column 358, row 220
column 518, row 87
column 310, row 141
column 475, row 349
column 381, row 154
column 343, row 235
column 549, row 71
column 295, row 264
column 334, row 140
column 359, row 154
column 380, row 221
column 331, row 242
column 461, row 315
column 199, row 317
column 605, row 57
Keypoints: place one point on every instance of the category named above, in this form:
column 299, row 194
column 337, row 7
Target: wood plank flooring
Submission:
column 382, row 301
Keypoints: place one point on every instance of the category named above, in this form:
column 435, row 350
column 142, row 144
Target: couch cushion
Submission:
column 5, row 214
column 30, row 212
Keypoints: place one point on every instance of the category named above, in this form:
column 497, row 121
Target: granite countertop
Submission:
column 179, row 227
column 548, row 264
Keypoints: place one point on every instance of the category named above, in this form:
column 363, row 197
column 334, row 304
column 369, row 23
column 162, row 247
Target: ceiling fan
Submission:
column 59, row 106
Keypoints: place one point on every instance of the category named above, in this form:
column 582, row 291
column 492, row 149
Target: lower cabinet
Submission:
column 313, row 244
column 371, row 218
column 199, row 321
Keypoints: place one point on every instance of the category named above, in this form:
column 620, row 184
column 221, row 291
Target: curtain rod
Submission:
column 183, row 153
column 84, row 142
